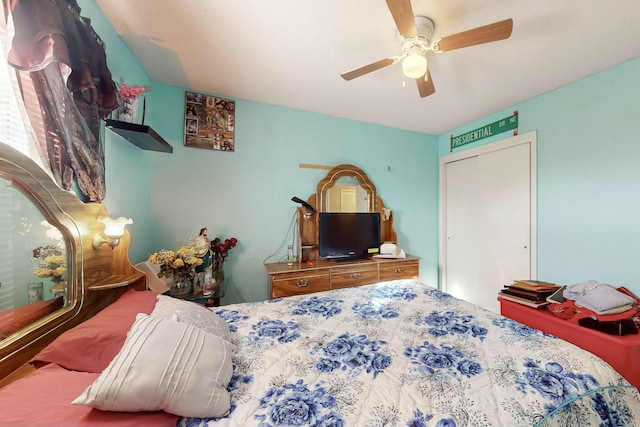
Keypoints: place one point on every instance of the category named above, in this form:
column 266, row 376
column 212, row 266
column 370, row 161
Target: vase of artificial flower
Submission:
column 220, row 251
column 51, row 263
column 178, row 265
column 129, row 99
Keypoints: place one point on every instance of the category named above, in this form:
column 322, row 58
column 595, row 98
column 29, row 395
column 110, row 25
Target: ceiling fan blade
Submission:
column 425, row 86
column 368, row 68
column 403, row 16
column 489, row 33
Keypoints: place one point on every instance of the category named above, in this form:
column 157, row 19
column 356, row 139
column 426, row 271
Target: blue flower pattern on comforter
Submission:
column 401, row 353
column 325, row 307
column 297, row 405
column 352, row 352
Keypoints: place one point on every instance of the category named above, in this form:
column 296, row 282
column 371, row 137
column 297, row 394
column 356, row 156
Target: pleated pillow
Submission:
column 165, row 365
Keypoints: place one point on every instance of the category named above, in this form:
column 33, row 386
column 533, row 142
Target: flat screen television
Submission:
column 348, row 235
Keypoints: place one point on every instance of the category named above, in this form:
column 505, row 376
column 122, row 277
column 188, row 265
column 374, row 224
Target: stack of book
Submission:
column 532, row 293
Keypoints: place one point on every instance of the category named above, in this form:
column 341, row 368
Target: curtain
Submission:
column 65, row 62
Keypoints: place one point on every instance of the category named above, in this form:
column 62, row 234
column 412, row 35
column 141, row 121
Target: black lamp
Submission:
column 308, row 207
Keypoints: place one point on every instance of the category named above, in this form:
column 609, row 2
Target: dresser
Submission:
column 315, row 274
column 621, row 352
column 300, row 278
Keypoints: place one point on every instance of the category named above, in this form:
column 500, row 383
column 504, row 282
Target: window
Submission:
column 14, row 125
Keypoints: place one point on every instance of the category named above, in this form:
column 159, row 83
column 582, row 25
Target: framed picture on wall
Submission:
column 209, row 122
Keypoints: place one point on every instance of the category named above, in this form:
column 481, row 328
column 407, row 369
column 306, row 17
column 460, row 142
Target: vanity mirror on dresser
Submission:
column 36, row 306
column 346, row 188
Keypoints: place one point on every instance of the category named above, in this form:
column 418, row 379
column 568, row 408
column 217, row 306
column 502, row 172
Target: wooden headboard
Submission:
column 95, row 277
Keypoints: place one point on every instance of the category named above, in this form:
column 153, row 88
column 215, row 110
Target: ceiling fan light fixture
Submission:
column 414, row 65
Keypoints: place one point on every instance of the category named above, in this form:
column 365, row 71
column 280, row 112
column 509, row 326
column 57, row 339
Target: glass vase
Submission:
column 181, row 287
column 128, row 111
column 218, row 269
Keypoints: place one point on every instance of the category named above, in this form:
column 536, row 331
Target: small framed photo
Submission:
column 194, row 98
column 191, row 126
column 209, row 122
column 36, row 292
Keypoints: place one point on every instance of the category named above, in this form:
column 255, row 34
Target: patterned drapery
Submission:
column 65, row 60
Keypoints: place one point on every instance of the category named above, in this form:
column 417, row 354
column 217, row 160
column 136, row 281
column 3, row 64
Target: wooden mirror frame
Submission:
column 96, row 277
column 346, row 171
column 308, row 228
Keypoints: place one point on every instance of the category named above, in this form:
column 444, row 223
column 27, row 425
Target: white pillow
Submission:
column 165, row 365
column 192, row 314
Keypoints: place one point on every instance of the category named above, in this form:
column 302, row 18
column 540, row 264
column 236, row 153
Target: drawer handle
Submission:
column 302, row 283
column 399, row 270
column 356, row 275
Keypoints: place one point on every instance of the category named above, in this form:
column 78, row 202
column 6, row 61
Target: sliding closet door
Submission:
column 463, row 233
column 488, row 206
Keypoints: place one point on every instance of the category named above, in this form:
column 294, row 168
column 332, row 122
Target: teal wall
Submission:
column 588, row 175
column 247, row 193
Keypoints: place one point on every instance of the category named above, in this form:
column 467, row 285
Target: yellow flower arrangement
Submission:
column 50, row 263
column 177, row 264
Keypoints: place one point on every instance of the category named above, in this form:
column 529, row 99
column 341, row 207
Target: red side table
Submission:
column 621, row 352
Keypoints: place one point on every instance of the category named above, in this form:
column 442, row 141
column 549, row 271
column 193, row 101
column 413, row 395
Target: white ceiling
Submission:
column 291, row 53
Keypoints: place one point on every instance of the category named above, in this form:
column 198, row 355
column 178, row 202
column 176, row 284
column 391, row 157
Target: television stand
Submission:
column 300, row 278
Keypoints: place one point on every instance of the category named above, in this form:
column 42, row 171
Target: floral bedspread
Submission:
column 402, row 353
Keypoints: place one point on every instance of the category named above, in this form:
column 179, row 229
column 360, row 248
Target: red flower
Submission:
column 131, row 92
column 221, row 249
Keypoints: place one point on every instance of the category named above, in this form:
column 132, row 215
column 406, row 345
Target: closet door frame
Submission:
column 526, row 138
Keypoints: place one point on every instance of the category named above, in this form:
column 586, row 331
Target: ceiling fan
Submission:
column 417, row 33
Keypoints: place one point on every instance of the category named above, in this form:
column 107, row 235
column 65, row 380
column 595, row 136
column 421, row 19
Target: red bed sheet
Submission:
column 42, row 399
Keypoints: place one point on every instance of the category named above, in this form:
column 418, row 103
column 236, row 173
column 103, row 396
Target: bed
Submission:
column 396, row 353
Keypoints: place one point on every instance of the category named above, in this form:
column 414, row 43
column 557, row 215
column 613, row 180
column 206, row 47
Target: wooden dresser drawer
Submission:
column 323, row 275
column 298, row 283
column 353, row 275
column 399, row 270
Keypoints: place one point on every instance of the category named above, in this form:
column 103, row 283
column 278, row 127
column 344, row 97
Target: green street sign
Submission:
column 494, row 128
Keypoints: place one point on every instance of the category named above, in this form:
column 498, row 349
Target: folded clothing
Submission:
column 598, row 297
